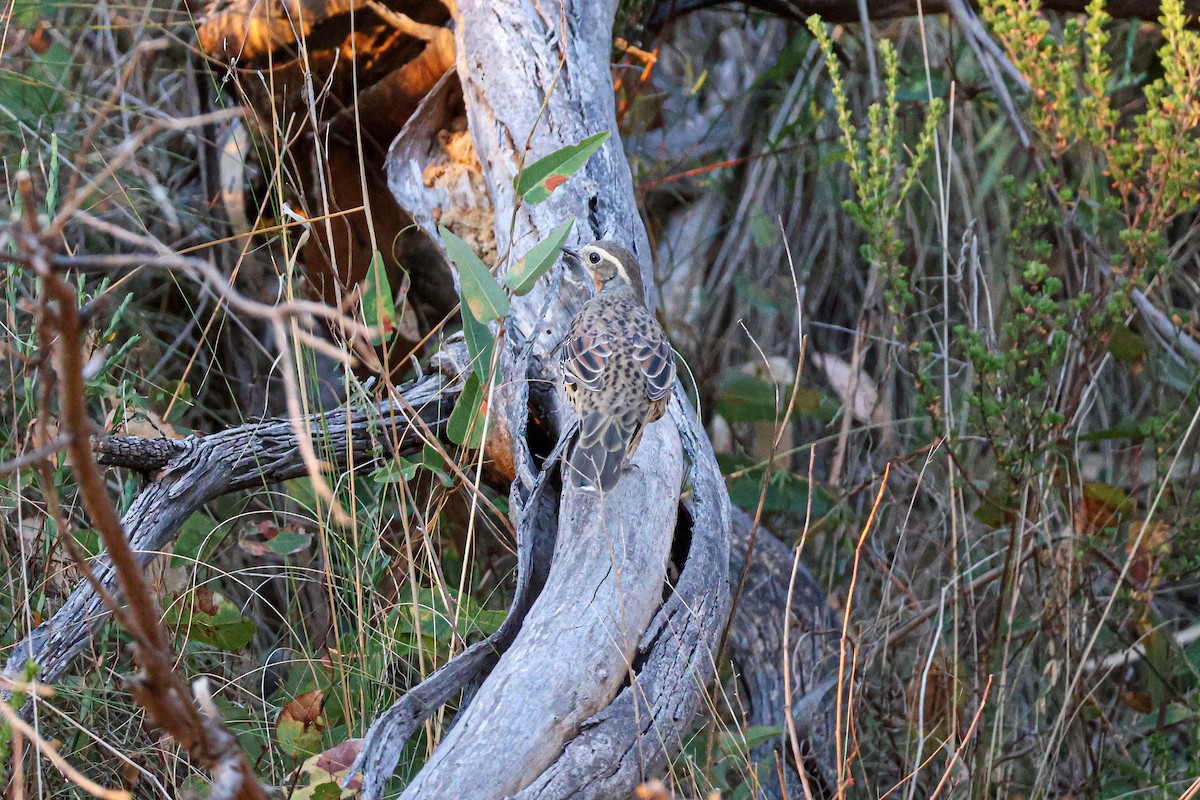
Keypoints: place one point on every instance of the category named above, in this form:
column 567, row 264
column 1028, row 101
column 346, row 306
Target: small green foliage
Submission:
column 881, row 180
column 481, row 293
column 197, row 538
column 209, row 618
column 786, row 493
column 522, row 276
column 728, row 765
column 466, row 420
column 301, row 724
column 437, row 618
column 746, row 398
column 538, row 180
column 379, row 306
column 481, row 345
column 483, row 301
column 15, row 702
column 1145, row 167
column 34, row 95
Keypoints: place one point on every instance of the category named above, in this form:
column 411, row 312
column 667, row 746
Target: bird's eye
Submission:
column 594, row 258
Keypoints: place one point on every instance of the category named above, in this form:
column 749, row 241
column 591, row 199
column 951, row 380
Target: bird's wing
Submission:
column 600, row 452
column 607, row 422
column 653, row 353
column 585, row 358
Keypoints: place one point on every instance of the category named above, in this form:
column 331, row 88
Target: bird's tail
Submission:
column 596, row 461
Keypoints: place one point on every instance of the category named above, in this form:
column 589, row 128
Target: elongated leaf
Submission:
column 537, row 262
column 379, row 307
column 745, row 398
column 465, row 426
column 480, row 345
column 481, row 294
column 37, row 90
column 539, row 179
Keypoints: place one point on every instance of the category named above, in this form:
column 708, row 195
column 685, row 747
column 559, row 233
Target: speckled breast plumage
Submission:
column 618, row 372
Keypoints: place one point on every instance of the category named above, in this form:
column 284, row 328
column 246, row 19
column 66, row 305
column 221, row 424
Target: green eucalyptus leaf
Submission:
column 480, row 345
column 538, row 261
column 538, row 180
column 379, row 306
column 465, row 426
column 481, row 294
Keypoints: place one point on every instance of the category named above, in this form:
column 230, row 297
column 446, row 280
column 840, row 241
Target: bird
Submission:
column 618, row 368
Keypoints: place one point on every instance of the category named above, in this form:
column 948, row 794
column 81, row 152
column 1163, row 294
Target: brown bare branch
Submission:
column 158, row 689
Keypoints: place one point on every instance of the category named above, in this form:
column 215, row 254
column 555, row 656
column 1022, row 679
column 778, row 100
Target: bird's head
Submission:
column 607, row 262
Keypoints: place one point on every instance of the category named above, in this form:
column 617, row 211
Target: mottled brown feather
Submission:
column 618, row 372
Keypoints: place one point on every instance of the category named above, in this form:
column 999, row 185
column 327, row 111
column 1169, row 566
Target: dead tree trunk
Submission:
column 604, row 677
column 602, row 665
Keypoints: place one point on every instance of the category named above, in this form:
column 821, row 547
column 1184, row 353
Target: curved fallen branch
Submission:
column 200, row 469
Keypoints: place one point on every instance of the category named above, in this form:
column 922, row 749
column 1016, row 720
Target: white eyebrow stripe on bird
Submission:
column 620, row 265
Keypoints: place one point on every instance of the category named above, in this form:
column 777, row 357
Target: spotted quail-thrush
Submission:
column 618, row 368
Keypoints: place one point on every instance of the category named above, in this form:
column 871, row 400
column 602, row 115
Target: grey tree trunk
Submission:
column 602, row 664
column 604, row 677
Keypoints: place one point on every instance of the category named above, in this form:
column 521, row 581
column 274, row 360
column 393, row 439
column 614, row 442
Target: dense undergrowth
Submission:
column 1012, row 329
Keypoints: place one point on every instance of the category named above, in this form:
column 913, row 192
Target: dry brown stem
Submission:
column 157, row 688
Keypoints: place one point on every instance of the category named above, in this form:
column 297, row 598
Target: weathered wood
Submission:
column 757, row 646
column 244, row 457
column 632, row 739
column 576, row 646
column 135, row 452
column 534, row 508
column 553, row 689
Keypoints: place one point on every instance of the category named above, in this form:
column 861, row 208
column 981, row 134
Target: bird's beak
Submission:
column 573, row 259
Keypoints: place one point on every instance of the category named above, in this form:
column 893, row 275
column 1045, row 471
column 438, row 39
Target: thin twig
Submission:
column 157, row 688
column 49, row 751
column 32, row 457
column 844, row 644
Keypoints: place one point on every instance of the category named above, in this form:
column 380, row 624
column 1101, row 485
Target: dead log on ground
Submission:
column 190, row 472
